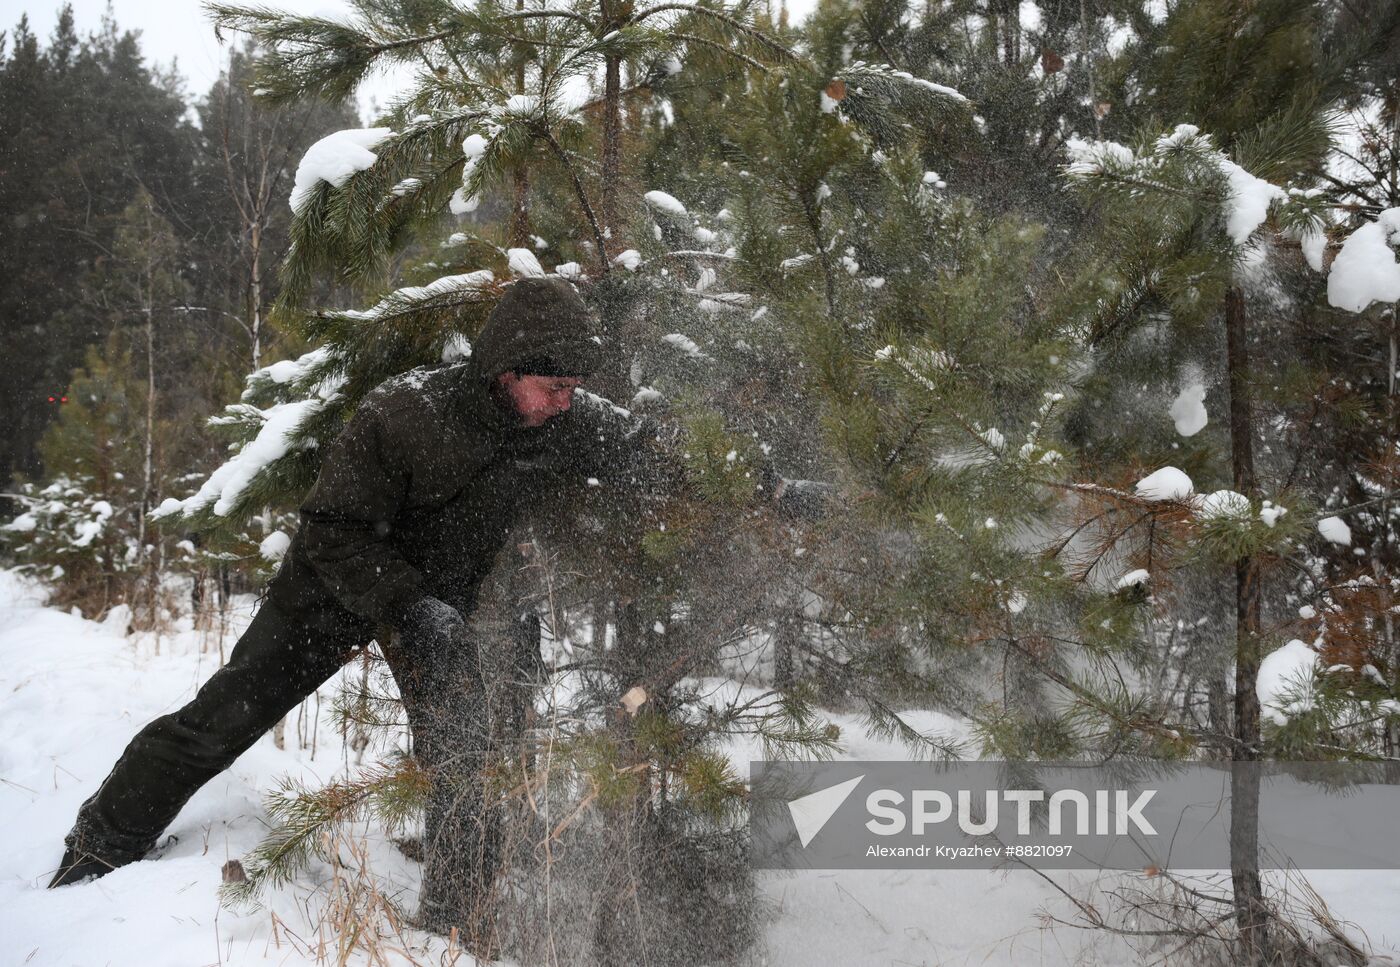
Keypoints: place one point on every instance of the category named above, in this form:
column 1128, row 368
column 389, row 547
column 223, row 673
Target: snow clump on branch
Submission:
column 524, row 264
column 1222, row 504
column 665, row 203
column 1169, row 483
column 1335, row 530
column 1365, row 270
column 334, row 159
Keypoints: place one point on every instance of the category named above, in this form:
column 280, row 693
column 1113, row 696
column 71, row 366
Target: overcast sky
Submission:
column 171, row 30
column 177, row 30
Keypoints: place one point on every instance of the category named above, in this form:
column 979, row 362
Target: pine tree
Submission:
column 998, row 431
column 1353, row 436
column 1271, row 124
column 595, row 229
column 86, row 123
column 81, row 528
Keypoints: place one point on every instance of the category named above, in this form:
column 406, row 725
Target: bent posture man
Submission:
column 412, row 503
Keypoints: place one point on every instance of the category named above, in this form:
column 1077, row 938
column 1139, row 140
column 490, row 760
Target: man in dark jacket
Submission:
column 412, row 503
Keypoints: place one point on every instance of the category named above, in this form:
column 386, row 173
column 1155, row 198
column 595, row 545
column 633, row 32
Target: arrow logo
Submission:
column 811, row 812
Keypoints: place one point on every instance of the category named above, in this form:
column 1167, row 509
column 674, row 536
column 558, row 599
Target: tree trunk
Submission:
column 1218, row 707
column 255, row 293
column 1383, row 560
column 1250, row 914
column 520, row 210
column 149, row 574
column 612, row 138
column 446, row 704
column 148, row 463
column 1011, row 32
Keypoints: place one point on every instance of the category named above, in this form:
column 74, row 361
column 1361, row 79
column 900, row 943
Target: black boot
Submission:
column 278, row 662
column 77, row 866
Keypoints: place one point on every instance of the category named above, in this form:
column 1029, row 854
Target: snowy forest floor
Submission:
column 75, row 691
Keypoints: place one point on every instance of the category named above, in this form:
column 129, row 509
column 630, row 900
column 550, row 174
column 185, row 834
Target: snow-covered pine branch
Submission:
column 884, row 100
column 1365, row 270
column 319, row 56
column 444, row 294
column 1186, row 164
column 275, row 433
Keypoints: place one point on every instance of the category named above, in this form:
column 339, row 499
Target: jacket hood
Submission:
column 539, row 320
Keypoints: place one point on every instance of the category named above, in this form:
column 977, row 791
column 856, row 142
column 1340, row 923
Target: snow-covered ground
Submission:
column 75, row 691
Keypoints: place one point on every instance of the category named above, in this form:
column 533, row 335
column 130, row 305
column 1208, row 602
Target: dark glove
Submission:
column 809, row 500
column 430, row 624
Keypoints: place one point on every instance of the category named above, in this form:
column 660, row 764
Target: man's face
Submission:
column 539, row 398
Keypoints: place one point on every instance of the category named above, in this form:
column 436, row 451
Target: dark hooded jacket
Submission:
column 420, row 490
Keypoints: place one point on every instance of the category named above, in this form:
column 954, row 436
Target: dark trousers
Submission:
column 277, row 662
